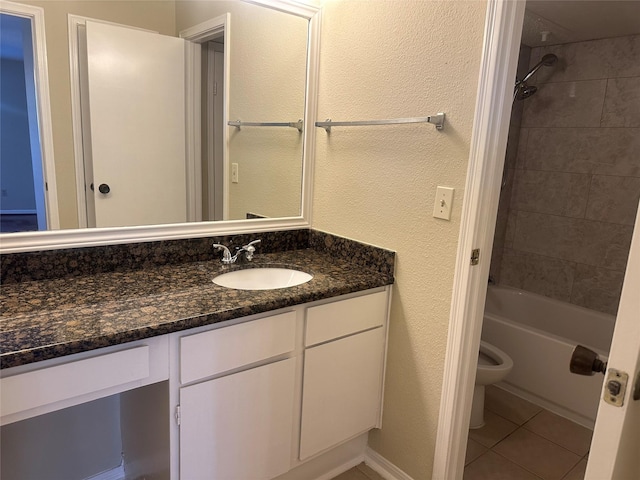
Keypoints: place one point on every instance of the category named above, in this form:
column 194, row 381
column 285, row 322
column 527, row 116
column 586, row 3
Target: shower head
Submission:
column 522, row 90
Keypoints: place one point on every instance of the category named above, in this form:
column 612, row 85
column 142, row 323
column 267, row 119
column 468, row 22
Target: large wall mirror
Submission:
column 167, row 119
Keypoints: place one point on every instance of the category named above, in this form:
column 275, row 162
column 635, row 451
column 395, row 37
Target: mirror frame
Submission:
column 86, row 237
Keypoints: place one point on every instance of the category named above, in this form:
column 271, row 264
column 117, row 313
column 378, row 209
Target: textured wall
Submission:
column 383, row 59
column 576, row 177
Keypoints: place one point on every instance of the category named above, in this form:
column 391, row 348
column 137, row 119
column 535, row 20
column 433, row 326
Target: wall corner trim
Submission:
column 503, row 29
column 383, row 466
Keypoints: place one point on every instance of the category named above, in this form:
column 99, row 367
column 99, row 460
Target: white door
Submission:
column 615, row 449
column 137, row 116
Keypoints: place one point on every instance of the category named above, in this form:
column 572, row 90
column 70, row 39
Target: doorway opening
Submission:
column 570, row 191
column 22, row 201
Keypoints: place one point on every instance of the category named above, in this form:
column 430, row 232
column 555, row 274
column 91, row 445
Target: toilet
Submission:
column 493, row 366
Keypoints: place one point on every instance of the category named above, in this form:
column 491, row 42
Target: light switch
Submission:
column 234, row 173
column 443, row 203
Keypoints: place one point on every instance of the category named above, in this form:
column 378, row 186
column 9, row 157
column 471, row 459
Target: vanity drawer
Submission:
column 338, row 319
column 217, row 351
column 49, row 385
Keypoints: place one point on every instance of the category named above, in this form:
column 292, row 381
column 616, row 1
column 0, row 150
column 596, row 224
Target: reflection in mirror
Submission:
column 111, row 172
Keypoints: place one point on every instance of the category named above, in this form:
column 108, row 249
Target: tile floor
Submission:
column 523, row 441
column 520, row 441
column 359, row 472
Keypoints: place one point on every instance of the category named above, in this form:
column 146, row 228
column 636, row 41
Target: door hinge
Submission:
column 615, row 387
column 215, row 88
column 177, row 414
column 475, row 256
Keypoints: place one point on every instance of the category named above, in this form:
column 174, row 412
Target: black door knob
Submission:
column 104, row 188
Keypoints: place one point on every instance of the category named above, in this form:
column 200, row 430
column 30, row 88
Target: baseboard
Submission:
column 547, row 405
column 384, row 467
column 116, row 473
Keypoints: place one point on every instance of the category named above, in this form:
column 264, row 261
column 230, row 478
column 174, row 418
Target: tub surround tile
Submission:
column 605, row 151
column 563, row 238
column 622, row 103
column 537, row 455
column 577, row 61
column 554, row 193
column 567, row 104
column 624, row 57
column 539, row 274
column 42, row 319
column 495, row 429
column 613, row 199
column 491, row 466
column 577, row 169
column 561, row 431
column 510, row 406
column 523, row 145
column 591, row 60
column 597, row 288
column 510, row 233
column 513, row 142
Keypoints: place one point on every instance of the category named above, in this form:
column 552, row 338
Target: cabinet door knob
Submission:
column 104, row 188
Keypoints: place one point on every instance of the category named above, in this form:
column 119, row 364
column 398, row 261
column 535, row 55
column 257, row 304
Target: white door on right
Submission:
column 615, row 449
column 137, row 115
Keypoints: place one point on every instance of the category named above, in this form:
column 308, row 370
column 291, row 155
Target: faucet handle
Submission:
column 252, row 243
column 226, row 255
column 250, row 249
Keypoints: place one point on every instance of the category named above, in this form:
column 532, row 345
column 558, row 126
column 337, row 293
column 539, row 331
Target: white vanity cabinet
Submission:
column 262, row 397
column 238, row 425
column 343, row 371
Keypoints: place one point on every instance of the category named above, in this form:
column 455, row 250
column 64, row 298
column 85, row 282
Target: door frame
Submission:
column 42, row 108
column 195, row 36
column 502, row 34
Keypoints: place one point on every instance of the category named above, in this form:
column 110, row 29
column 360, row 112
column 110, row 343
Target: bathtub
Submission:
column 539, row 334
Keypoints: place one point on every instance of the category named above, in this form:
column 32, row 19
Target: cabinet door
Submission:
column 341, row 390
column 238, row 427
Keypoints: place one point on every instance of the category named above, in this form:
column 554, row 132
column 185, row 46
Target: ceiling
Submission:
column 579, row 20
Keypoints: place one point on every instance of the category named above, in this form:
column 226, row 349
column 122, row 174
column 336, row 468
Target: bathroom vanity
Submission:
column 209, row 382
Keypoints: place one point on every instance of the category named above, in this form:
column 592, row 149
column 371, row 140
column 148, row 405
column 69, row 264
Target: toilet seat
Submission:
column 492, row 373
column 493, row 366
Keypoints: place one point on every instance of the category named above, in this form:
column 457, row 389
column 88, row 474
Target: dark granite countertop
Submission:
column 44, row 319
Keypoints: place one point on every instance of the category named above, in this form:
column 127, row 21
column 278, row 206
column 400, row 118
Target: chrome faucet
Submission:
column 245, row 251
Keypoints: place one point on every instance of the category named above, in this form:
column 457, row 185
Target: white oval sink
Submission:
column 262, row 278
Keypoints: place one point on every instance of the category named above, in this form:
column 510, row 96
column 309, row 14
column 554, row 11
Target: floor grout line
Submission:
column 541, row 410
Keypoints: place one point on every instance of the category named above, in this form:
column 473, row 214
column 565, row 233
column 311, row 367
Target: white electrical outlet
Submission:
column 443, row 203
column 234, row 173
